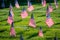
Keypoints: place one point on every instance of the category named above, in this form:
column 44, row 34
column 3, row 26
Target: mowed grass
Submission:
column 21, row 25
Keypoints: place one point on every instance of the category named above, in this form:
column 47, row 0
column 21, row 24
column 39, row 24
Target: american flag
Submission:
column 32, row 21
column 11, row 10
column 3, row 4
column 24, row 13
column 17, row 4
column 12, row 13
column 30, row 7
column 50, row 7
column 40, row 32
column 43, row 3
column 12, row 31
column 49, row 20
column 10, row 19
column 28, row 2
column 55, row 1
column 10, row 6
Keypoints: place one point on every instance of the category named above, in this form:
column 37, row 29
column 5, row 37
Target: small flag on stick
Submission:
column 32, row 21
column 30, row 7
column 50, row 8
column 17, row 4
column 40, row 32
column 56, row 3
column 12, row 31
column 49, row 20
column 24, row 13
column 43, row 3
column 10, row 19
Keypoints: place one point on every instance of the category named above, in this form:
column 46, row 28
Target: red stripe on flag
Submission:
column 32, row 23
column 24, row 14
column 12, row 31
column 49, row 22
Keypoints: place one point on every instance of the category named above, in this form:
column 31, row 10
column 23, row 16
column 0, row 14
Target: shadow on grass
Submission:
column 10, row 37
column 21, row 32
column 57, row 24
column 18, row 21
column 3, row 20
column 52, row 38
column 7, row 23
column 3, row 14
column 33, row 35
column 2, row 30
column 45, row 31
column 4, row 24
column 59, row 16
column 38, row 21
column 54, row 9
column 37, row 9
column 49, row 38
column 41, row 15
column 25, row 29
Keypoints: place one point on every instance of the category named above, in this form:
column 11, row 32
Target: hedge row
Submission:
column 22, row 2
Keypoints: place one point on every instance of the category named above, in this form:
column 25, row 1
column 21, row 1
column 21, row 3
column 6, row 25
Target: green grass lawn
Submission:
column 21, row 25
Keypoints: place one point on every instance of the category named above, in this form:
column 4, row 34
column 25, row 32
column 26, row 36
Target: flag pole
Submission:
column 55, row 38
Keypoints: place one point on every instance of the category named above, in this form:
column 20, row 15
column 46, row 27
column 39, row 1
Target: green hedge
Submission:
column 23, row 2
